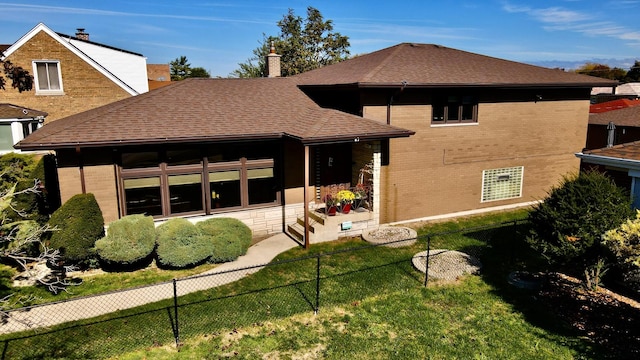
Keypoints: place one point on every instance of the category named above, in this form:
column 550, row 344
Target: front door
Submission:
column 333, row 169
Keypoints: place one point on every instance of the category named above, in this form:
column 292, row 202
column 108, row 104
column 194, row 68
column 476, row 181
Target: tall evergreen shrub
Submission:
column 79, row 224
column 567, row 225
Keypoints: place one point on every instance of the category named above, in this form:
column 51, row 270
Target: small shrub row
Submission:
column 132, row 241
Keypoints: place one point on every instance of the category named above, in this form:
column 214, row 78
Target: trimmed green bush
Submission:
column 230, row 238
column 79, row 224
column 181, row 245
column 567, row 226
column 129, row 243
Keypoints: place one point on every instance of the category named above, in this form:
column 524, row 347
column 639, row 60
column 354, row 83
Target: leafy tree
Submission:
column 179, row 68
column 602, row 71
column 305, row 44
column 199, row 72
column 566, row 227
column 634, row 72
column 20, row 78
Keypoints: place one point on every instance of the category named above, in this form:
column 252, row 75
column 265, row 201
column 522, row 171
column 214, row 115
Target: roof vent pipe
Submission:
column 611, row 134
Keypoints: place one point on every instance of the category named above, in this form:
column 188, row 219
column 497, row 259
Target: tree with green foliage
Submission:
column 199, row 72
column 602, row 71
column 566, row 227
column 20, row 78
column 304, row 44
column 179, row 68
column 633, row 74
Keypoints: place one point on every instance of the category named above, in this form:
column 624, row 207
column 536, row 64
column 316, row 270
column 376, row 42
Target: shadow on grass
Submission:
column 505, row 250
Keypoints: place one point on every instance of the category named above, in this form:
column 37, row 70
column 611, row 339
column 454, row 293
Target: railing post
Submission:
column 426, row 270
column 317, row 284
column 176, row 329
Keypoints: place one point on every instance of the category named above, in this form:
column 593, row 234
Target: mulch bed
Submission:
column 604, row 317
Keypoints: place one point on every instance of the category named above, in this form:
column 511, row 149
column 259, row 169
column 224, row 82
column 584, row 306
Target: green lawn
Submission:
column 372, row 305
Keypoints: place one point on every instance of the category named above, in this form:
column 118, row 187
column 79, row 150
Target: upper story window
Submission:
column 454, row 109
column 48, row 78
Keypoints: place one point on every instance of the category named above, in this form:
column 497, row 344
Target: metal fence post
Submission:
column 426, row 270
column 317, row 284
column 176, row 329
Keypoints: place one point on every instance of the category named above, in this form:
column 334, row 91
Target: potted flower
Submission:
column 346, row 198
column 360, row 193
column 331, row 205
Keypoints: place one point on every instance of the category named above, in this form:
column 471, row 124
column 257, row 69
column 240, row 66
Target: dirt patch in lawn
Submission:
column 604, row 317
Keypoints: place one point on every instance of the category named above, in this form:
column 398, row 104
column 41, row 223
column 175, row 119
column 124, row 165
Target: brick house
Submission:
column 73, row 74
column 16, row 123
column 441, row 133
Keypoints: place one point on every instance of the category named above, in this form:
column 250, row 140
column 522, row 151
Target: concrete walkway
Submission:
column 46, row 315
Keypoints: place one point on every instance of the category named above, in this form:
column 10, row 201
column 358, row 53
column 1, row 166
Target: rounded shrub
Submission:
column 230, row 238
column 181, row 245
column 78, row 223
column 129, row 243
column 566, row 227
column 624, row 244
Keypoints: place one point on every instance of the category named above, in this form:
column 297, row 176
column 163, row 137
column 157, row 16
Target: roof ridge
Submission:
column 376, row 69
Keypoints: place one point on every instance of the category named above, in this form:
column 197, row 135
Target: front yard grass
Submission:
column 373, row 305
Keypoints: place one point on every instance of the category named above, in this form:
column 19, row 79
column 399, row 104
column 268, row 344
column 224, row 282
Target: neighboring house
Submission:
column 613, row 127
column 16, row 123
column 441, row 133
column 73, row 74
column 612, row 105
column 620, row 162
column 159, row 75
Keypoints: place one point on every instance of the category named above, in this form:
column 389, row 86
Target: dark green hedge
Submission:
column 230, row 238
column 567, row 226
column 129, row 243
column 181, row 245
column 79, row 224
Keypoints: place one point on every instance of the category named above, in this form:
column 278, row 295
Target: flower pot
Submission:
column 346, row 208
column 331, row 210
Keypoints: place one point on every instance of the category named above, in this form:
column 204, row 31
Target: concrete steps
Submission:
column 327, row 228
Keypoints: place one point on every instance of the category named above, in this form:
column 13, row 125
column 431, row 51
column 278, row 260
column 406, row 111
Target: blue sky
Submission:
column 217, row 35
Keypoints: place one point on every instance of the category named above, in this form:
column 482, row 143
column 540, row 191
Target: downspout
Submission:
column 403, row 84
column 83, row 185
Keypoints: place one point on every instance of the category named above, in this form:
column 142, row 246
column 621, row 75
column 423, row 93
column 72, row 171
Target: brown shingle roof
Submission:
column 196, row 110
column 622, row 117
column 428, row 65
column 628, row 151
column 10, row 111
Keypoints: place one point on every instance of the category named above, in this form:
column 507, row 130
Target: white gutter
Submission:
column 610, row 161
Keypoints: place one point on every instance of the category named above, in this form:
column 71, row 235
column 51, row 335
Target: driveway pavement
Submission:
column 87, row 307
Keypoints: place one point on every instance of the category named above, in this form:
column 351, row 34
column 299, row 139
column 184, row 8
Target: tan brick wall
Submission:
column 84, row 87
column 439, row 169
column 69, row 178
column 101, row 182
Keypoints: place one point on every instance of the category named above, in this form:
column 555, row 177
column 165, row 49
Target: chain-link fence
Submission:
column 212, row 303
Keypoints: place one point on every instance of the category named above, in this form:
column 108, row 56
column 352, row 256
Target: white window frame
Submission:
column 502, row 183
column 17, row 131
column 37, row 83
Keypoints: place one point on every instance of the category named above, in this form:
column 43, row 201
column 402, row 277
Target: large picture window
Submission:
column 502, row 184
column 47, row 76
column 165, row 183
column 454, row 109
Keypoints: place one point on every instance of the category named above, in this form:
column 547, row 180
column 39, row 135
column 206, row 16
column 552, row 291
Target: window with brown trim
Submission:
column 171, row 182
column 454, row 109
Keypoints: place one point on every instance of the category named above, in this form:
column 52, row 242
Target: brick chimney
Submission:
column 273, row 63
column 80, row 34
